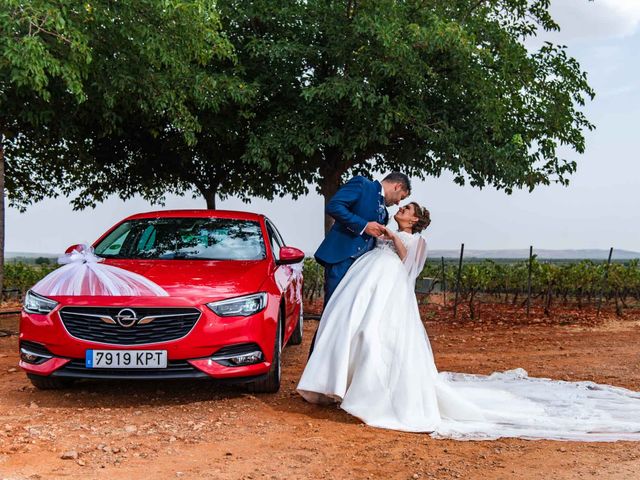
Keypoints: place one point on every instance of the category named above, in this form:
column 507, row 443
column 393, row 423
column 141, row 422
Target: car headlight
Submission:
column 240, row 306
column 34, row 303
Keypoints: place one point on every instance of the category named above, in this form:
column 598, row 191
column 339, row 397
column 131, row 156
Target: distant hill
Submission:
column 592, row 254
column 9, row 255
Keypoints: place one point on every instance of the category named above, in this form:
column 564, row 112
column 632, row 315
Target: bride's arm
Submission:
column 400, row 246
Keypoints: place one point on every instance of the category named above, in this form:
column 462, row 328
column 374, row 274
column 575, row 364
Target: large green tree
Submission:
column 73, row 74
column 314, row 90
column 152, row 159
column 422, row 86
column 342, row 86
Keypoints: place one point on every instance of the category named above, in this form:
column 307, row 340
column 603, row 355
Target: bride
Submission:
column 372, row 356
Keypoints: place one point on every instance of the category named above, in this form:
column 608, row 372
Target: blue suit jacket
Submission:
column 352, row 207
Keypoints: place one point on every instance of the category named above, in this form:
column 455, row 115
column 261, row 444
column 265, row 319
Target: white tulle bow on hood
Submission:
column 84, row 273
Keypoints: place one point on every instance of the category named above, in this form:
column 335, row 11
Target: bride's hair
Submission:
column 424, row 218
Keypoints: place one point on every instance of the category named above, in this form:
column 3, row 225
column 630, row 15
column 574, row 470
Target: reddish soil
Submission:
column 195, row 430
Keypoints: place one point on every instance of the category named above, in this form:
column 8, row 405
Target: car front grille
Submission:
column 153, row 325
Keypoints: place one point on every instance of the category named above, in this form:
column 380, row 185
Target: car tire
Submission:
column 296, row 336
column 271, row 382
column 49, row 383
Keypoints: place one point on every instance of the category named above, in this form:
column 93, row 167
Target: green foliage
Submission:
column 583, row 282
column 150, row 157
column 313, row 279
column 76, row 76
column 264, row 98
column 42, row 42
column 422, row 87
column 22, row 276
column 579, row 283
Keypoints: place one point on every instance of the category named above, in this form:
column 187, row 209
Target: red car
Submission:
column 234, row 300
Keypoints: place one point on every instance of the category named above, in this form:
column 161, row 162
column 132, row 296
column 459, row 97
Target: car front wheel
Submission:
column 271, row 383
column 296, row 336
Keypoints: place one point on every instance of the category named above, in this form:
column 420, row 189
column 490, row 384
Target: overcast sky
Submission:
column 600, row 208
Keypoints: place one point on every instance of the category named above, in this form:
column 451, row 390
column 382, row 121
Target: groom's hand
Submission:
column 374, row 229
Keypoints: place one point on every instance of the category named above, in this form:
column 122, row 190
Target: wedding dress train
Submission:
column 373, row 356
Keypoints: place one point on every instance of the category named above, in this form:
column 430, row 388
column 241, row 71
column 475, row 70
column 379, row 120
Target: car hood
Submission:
column 207, row 280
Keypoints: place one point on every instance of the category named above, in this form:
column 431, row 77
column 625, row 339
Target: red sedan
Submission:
column 233, row 300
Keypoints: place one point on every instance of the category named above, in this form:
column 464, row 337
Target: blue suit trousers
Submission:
column 333, row 274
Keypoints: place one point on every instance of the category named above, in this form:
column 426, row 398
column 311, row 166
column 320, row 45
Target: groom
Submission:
column 359, row 211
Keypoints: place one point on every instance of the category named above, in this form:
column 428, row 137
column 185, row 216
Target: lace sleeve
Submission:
column 416, row 255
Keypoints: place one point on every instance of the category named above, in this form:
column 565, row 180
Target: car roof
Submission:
column 195, row 213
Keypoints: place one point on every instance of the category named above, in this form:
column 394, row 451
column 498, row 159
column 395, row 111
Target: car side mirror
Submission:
column 73, row 247
column 289, row 255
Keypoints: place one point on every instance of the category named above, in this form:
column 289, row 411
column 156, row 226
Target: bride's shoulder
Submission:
column 406, row 237
column 411, row 238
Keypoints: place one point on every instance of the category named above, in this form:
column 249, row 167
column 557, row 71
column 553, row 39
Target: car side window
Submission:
column 275, row 239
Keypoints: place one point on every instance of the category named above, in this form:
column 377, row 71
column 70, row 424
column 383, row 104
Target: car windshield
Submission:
column 184, row 239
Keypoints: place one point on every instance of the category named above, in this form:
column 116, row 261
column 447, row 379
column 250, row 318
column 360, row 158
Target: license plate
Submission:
column 126, row 359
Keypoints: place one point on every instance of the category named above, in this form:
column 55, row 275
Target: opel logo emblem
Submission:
column 126, row 318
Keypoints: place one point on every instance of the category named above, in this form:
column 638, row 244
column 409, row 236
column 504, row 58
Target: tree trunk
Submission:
column 209, row 195
column 1, row 218
column 618, row 306
column 547, row 303
column 623, row 299
column 328, row 221
column 329, row 185
column 579, row 295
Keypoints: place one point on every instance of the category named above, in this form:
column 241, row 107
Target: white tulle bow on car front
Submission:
column 84, row 273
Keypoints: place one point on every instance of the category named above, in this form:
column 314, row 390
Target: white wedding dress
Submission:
column 373, row 356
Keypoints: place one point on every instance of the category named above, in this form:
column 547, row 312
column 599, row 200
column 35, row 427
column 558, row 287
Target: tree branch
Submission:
column 40, row 28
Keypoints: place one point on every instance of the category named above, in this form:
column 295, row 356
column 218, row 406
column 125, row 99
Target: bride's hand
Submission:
column 388, row 233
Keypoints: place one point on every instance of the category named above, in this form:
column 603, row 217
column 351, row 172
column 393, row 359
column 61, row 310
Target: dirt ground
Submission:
column 195, row 430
